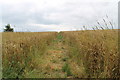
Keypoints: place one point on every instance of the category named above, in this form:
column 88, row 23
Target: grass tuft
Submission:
column 66, row 69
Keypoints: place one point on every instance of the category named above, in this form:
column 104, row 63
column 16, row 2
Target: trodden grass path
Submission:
column 54, row 63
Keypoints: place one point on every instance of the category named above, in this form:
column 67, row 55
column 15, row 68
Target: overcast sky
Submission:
column 56, row 15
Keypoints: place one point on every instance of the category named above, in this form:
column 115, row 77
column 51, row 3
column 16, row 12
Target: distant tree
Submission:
column 8, row 28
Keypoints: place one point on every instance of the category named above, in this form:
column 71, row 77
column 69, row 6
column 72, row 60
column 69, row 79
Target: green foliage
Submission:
column 59, row 36
column 66, row 69
column 8, row 28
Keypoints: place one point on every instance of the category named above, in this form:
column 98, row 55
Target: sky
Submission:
column 57, row 15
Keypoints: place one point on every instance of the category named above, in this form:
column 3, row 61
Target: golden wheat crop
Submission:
column 90, row 53
column 96, row 50
column 20, row 50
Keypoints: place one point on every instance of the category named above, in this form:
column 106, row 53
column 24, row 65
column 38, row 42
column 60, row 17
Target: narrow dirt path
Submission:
column 56, row 59
column 53, row 64
column 56, row 63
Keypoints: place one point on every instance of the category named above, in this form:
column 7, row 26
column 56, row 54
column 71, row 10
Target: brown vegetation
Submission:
column 82, row 54
column 96, row 51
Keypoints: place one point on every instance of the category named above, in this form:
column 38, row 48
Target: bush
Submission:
column 8, row 28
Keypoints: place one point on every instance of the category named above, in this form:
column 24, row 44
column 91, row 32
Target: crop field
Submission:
column 67, row 54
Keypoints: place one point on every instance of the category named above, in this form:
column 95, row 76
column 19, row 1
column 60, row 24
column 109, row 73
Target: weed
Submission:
column 66, row 69
column 59, row 36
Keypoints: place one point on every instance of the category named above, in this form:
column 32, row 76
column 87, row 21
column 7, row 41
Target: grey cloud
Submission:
column 74, row 13
column 22, row 15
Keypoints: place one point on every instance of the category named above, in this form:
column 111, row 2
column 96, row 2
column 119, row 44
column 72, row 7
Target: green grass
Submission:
column 66, row 69
column 59, row 36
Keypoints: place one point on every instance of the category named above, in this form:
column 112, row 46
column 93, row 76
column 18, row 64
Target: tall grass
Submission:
column 97, row 50
column 94, row 52
column 20, row 51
